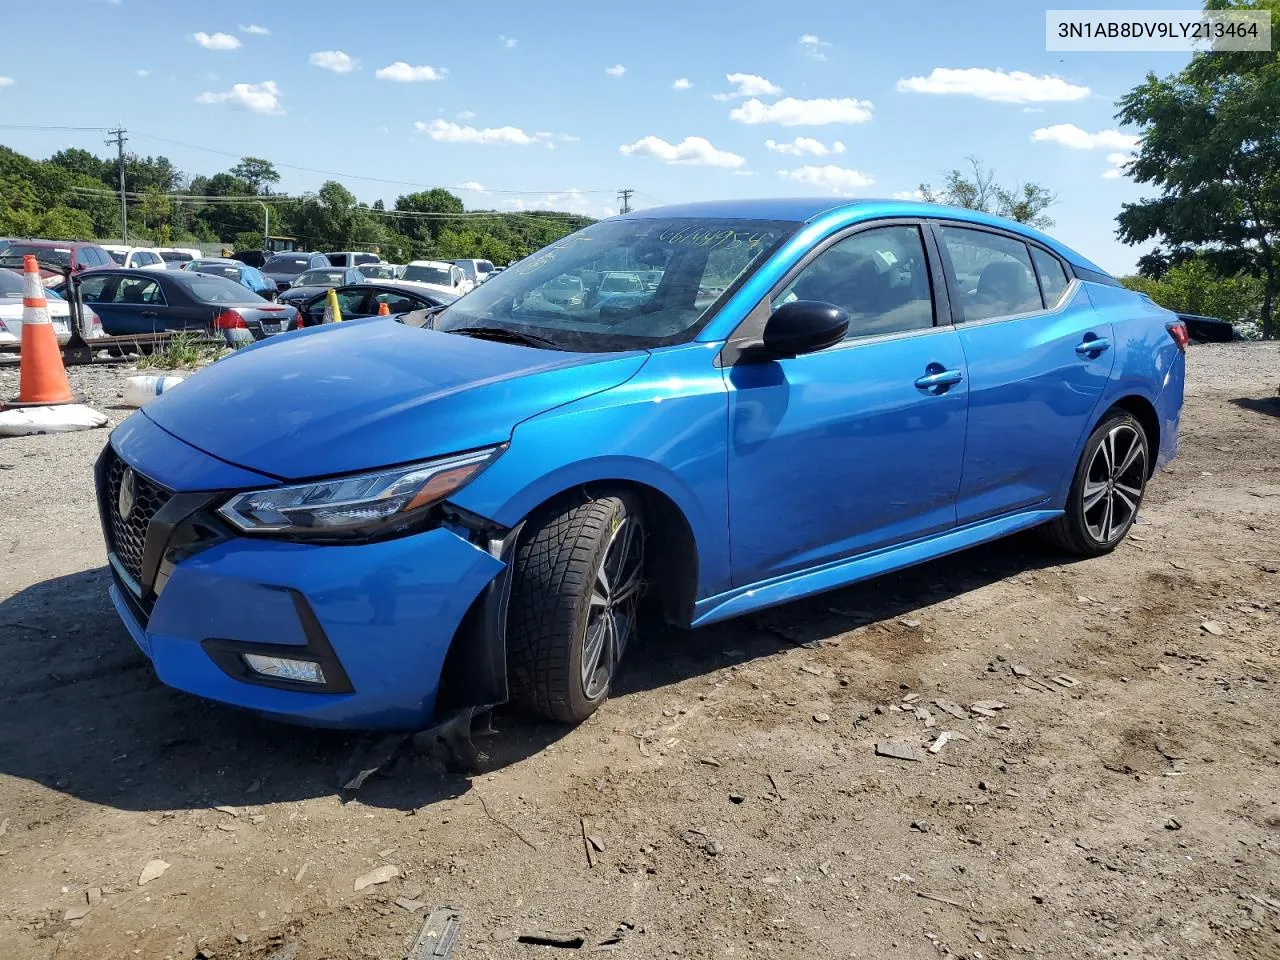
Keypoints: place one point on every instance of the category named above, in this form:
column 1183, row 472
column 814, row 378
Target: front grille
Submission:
column 129, row 534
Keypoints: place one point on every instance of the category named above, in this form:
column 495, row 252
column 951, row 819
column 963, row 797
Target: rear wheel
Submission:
column 1106, row 490
column 578, row 578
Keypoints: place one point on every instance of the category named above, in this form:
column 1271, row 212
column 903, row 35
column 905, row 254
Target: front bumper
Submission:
column 379, row 617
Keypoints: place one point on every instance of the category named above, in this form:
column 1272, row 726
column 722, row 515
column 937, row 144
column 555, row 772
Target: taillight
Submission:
column 1179, row 333
column 92, row 319
column 229, row 320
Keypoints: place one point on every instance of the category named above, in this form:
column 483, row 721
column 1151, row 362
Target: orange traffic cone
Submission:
column 42, row 379
column 383, row 309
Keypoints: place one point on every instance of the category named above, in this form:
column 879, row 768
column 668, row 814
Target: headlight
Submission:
column 355, row 507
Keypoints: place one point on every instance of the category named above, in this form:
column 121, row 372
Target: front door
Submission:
column 1038, row 357
column 858, row 446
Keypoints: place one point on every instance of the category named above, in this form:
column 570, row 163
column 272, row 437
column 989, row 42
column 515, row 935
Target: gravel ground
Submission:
column 1122, row 800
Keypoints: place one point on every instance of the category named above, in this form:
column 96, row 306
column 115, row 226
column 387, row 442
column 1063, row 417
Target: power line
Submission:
column 40, row 126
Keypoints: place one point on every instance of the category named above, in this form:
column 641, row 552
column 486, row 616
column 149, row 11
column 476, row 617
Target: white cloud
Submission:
column 683, row 83
column 466, row 114
column 572, row 200
column 616, row 70
column 443, row 131
column 254, row 28
column 1069, row 135
column 1014, row 87
column 402, row 72
column 745, row 173
column 141, row 73
column 805, row 146
column 748, row 85
column 508, row 42
column 813, row 46
column 833, row 178
column 1117, row 161
column 791, row 112
column 6, row 81
column 334, row 60
column 694, row 151
column 908, row 195
column 472, row 186
column 216, row 41
column 258, row 97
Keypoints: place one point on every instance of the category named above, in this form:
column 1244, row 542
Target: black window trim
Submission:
column 957, row 310
column 746, row 337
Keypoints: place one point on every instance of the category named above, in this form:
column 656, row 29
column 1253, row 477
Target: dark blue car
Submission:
column 393, row 525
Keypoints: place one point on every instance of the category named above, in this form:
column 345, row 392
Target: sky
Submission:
column 562, row 103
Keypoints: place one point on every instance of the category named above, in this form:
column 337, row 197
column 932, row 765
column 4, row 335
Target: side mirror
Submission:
column 803, row 326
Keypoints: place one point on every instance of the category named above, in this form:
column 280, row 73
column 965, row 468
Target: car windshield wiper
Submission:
column 502, row 333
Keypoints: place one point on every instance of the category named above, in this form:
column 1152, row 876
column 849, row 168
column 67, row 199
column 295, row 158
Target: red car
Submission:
column 77, row 255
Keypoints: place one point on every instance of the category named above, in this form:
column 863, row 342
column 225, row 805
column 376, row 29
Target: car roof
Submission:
column 52, row 244
column 844, row 212
column 431, row 263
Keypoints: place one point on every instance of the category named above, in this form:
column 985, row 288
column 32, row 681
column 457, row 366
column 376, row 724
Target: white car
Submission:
column 59, row 313
column 439, row 275
column 381, row 271
column 477, row 271
column 175, row 257
column 136, row 258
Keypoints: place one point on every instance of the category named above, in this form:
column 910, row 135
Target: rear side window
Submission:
column 337, row 259
column 1053, row 278
column 991, row 274
column 879, row 276
column 365, row 258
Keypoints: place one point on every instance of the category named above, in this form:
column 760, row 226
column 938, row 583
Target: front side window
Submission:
column 991, row 273
column 1053, row 278
column 880, row 277
column 553, row 294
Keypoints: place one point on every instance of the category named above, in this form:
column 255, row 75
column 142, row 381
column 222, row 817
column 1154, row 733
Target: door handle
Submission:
column 939, row 378
column 1091, row 348
column 149, row 314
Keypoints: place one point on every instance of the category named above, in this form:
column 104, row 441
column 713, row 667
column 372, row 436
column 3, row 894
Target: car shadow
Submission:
column 1267, row 405
column 81, row 711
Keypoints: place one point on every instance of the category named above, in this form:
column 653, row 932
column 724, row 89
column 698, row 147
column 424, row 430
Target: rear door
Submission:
column 1038, row 360
column 858, row 446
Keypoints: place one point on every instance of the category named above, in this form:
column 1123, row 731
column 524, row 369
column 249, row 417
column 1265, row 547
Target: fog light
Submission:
column 301, row 671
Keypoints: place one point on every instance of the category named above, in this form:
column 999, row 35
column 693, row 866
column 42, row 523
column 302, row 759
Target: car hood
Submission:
column 366, row 394
column 430, row 287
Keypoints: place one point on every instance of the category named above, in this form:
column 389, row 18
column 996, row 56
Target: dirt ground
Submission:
column 1128, row 808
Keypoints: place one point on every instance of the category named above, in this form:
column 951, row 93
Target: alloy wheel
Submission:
column 615, row 599
column 1113, row 486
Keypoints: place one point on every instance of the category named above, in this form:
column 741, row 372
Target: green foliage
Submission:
column 1211, row 145
column 1195, row 286
column 259, row 174
column 978, row 190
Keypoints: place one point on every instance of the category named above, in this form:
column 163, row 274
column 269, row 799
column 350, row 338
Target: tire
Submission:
column 1111, row 476
column 562, row 597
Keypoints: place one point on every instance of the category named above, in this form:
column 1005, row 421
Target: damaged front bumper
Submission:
column 402, row 634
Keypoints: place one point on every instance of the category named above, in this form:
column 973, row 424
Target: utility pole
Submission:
column 119, row 139
column 624, row 197
column 266, row 224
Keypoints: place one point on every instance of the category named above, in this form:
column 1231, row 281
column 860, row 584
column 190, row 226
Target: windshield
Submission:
column 174, row 256
column 209, row 289
column 286, row 264
column 10, row 284
column 117, row 255
column 59, row 255
column 320, row 278
column 379, row 271
column 558, row 293
column 216, row 269
column 422, row 274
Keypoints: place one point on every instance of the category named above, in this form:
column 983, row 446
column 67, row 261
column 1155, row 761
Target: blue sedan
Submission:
column 391, row 525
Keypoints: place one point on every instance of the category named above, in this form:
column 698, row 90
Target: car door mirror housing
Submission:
column 801, row 326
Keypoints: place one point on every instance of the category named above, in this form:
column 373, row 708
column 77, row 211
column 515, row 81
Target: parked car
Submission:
column 1210, row 329
column 254, row 258
column 381, row 271
column 352, row 258
column 74, row 254
column 59, row 313
column 307, row 285
column 135, row 258
column 283, row 268
column 423, row 518
column 362, row 300
column 564, row 291
column 175, row 257
column 146, row 301
column 442, row 276
column 477, row 271
column 251, row 278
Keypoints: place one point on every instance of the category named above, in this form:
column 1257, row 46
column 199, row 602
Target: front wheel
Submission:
column 1106, row 490
column 579, row 574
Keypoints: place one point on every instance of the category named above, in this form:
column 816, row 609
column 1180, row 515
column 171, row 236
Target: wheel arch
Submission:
column 1144, row 411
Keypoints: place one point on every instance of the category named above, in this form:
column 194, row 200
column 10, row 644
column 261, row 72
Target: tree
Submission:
column 260, row 174
column 1211, row 144
column 1195, row 286
column 436, row 201
column 978, row 190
